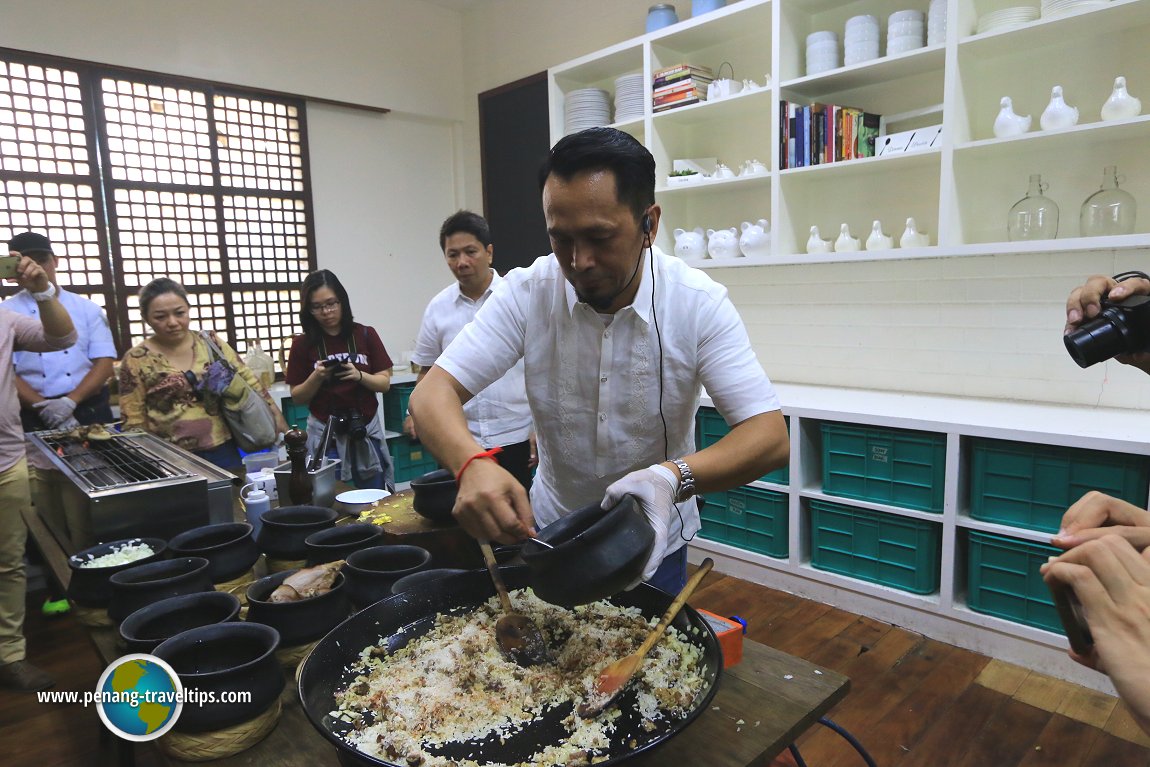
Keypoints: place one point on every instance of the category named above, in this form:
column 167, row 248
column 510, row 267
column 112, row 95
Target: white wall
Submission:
column 381, row 184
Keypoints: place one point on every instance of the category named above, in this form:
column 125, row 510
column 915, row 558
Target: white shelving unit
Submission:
column 959, row 193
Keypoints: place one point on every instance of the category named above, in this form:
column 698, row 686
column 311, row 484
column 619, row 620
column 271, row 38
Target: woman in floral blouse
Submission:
column 161, row 380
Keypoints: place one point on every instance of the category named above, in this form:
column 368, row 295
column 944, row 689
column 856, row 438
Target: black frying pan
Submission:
column 405, row 616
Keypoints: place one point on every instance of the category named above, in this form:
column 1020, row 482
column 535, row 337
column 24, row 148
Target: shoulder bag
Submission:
column 248, row 415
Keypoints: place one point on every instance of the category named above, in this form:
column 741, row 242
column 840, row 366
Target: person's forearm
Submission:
column 377, row 382
column 26, row 394
column 305, row 392
column 54, row 317
column 93, row 381
column 436, row 404
column 751, row 449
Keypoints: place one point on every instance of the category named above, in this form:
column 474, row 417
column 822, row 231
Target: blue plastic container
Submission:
column 661, row 15
column 699, row 7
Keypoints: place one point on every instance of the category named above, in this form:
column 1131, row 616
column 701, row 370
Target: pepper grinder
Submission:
column 300, row 488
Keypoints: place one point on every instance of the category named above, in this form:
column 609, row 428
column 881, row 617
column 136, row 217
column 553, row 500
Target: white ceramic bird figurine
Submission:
column 845, row 243
column 816, row 244
column 1058, row 114
column 912, row 237
column 1121, row 105
column 878, row 240
column 1008, row 123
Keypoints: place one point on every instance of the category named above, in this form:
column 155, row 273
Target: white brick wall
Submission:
column 987, row 326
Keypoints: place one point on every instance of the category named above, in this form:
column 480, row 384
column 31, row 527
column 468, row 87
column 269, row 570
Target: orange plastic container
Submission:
column 730, row 633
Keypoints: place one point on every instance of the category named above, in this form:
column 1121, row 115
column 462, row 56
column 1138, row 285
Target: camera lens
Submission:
column 1097, row 340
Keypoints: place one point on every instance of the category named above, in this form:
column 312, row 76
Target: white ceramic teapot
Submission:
column 723, row 243
column 722, row 171
column 1121, row 105
column 690, row 245
column 756, row 238
column 912, row 237
column 845, row 243
column 816, row 244
column 1058, row 114
column 877, row 240
column 1008, row 123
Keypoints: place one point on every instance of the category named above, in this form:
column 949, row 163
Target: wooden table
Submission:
column 762, row 705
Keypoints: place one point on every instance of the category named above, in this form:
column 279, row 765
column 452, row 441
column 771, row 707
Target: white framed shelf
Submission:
column 866, row 166
column 1117, row 16
column 737, row 107
column 880, row 70
column 1034, row 536
column 885, row 508
column 754, row 180
column 1056, row 141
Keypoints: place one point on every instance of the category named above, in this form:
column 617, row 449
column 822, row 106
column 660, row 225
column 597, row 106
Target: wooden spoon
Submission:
column 517, row 635
column 615, row 677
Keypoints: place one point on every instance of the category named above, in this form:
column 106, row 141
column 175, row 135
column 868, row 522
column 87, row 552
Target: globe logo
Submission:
column 139, row 697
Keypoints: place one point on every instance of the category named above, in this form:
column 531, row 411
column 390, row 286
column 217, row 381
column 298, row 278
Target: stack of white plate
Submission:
column 586, row 108
column 1052, row 9
column 905, row 31
column 822, row 52
column 860, row 40
column 629, row 99
column 1007, row 18
column 936, row 23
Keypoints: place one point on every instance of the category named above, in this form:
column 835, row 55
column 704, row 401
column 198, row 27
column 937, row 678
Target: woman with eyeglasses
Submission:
column 336, row 367
column 161, row 379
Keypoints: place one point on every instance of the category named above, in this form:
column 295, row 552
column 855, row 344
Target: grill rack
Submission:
column 114, row 463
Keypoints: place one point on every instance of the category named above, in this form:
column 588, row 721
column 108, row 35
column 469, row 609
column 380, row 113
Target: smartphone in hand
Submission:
column 329, row 363
column 8, row 267
column 1072, row 617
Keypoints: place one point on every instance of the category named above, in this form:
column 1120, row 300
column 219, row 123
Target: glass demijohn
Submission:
column 1035, row 216
column 1110, row 210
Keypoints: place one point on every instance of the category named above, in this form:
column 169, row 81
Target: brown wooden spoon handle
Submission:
column 493, row 568
column 676, row 606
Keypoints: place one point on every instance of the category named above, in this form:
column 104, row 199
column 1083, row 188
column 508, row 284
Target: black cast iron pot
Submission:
column 229, row 548
column 371, row 572
column 302, row 621
column 89, row 586
column 433, row 495
column 144, row 584
column 284, row 530
column 409, row 582
column 224, row 659
column 145, row 629
column 341, row 541
column 597, row 553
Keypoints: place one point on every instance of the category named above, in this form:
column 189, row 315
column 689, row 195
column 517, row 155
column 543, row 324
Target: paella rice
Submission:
column 452, row 685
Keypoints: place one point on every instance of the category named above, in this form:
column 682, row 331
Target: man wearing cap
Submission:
column 52, row 330
column 61, row 390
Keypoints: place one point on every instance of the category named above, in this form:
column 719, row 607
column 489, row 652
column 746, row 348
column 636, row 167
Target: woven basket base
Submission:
column 219, row 744
column 238, row 586
column 279, row 565
column 93, row 617
column 290, row 657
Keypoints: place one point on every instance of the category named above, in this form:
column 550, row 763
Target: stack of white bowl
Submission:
column 822, row 52
column 1006, row 18
column 586, row 108
column 861, row 40
column 936, row 23
column 1052, row 9
column 629, row 98
column 905, row 31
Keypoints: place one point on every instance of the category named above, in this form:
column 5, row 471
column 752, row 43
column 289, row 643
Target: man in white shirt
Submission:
column 498, row 416
column 617, row 339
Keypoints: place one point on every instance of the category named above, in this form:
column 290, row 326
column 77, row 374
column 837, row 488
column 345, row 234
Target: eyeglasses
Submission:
column 325, row 307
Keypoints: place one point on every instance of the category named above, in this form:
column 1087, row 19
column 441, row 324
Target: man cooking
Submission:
column 617, row 339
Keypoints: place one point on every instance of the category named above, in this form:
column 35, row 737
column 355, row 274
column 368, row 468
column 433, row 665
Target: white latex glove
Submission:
column 55, row 412
column 655, row 489
column 68, row 424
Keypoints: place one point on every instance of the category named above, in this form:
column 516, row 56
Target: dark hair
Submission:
column 157, row 288
column 606, row 149
column 313, row 282
column 468, row 222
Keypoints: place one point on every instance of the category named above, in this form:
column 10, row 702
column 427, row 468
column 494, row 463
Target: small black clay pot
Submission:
column 228, row 547
column 597, row 553
column 284, row 530
column 89, row 586
column 433, row 495
column 223, row 659
column 408, row 582
column 340, row 541
column 144, row 584
column 371, row 572
column 302, row 621
column 145, row 629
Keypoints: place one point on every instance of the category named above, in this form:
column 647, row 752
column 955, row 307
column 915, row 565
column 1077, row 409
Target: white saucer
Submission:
column 366, row 495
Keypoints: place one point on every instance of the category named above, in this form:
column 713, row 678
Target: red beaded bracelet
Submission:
column 485, row 454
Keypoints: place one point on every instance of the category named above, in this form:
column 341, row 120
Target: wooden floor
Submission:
column 914, row 702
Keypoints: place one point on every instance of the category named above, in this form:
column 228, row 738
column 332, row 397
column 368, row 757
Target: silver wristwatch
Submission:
column 686, row 481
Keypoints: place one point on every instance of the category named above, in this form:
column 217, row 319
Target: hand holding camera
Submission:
column 1110, row 317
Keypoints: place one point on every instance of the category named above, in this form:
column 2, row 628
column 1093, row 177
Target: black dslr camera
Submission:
column 1123, row 327
column 350, row 424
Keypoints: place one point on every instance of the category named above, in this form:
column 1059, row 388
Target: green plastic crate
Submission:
column 295, row 415
column 1003, row 580
column 895, row 466
column 895, row 551
column 411, row 459
column 710, row 428
column 750, row 518
column 1031, row 486
column 395, row 405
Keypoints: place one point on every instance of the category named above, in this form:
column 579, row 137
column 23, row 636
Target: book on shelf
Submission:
column 820, row 134
column 679, row 71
